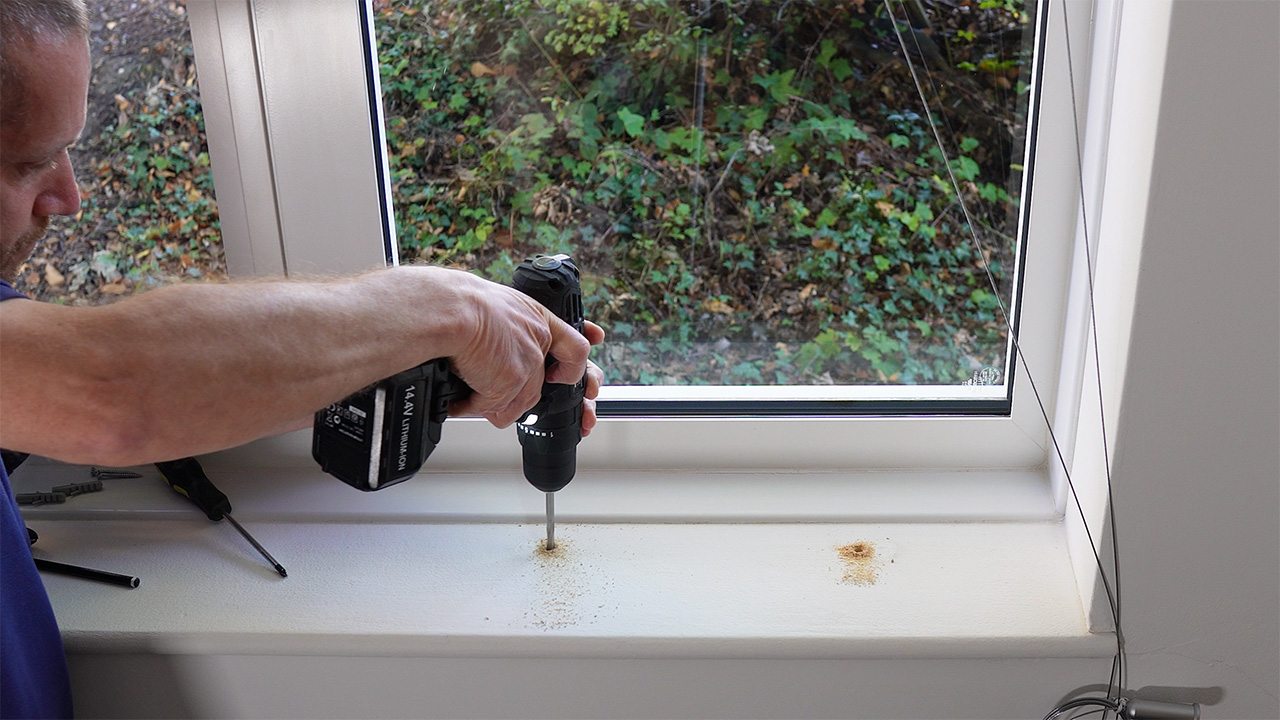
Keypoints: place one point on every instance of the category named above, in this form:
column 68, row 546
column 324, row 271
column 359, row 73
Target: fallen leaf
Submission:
column 53, row 277
column 824, row 243
column 114, row 288
column 807, row 291
column 717, row 306
column 479, row 69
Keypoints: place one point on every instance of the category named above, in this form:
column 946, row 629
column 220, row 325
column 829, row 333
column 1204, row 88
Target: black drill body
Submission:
column 383, row 434
column 550, row 432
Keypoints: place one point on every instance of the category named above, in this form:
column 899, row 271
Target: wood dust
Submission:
column 558, row 555
column 861, row 566
column 570, row 586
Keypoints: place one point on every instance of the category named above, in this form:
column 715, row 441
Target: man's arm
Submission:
column 195, row 368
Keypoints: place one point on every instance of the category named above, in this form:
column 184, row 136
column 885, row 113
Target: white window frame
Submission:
column 292, row 145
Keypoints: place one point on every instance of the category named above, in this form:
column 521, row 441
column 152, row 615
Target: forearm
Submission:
column 195, row 368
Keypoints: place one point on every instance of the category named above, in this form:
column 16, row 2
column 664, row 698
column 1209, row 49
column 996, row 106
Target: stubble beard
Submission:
column 13, row 255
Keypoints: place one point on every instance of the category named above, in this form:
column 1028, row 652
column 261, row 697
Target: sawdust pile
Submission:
column 861, row 566
column 572, row 586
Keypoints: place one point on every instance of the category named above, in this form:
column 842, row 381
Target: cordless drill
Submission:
column 384, row 433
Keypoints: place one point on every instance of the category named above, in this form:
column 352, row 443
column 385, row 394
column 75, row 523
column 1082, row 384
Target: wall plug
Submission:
column 79, row 488
column 40, row 498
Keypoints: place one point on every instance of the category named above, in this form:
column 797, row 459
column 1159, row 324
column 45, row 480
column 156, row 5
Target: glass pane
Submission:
column 751, row 187
column 147, row 215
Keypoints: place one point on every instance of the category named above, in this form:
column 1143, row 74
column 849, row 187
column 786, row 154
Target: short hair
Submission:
column 28, row 20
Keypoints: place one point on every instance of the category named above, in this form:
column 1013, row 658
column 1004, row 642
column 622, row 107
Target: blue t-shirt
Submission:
column 33, row 667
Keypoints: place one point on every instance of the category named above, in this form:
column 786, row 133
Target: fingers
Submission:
column 595, row 377
column 504, row 409
column 504, row 360
column 569, row 369
column 527, row 397
column 588, row 416
column 570, row 349
column 593, row 332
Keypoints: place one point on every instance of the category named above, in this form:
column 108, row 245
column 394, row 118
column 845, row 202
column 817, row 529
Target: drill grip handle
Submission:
column 549, row 433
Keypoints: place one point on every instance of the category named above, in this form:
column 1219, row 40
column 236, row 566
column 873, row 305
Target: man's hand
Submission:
column 504, row 359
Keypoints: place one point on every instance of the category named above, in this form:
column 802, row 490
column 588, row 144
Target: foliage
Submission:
column 154, row 194
column 750, row 186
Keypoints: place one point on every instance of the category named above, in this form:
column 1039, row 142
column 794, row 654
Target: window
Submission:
column 750, row 188
column 327, row 210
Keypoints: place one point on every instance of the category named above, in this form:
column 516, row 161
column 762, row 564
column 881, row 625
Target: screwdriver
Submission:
column 187, row 478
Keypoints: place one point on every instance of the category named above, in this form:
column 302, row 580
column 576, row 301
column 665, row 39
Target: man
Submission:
column 96, row 385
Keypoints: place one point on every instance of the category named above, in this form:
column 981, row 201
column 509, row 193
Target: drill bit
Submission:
column 551, row 521
column 279, row 568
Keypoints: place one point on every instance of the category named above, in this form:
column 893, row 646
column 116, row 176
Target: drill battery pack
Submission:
column 383, row 434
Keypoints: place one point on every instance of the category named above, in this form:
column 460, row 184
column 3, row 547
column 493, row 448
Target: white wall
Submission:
column 1197, row 464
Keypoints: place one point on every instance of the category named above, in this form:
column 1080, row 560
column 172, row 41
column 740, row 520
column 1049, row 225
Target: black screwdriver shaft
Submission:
column 187, row 478
column 257, row 545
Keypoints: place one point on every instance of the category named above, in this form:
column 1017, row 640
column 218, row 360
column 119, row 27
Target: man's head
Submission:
column 44, row 80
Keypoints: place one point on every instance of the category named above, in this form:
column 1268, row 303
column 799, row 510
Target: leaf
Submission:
column 747, row 371
column 715, row 305
column 828, row 51
column 779, row 85
column 632, row 123
column 965, row 168
column 841, row 69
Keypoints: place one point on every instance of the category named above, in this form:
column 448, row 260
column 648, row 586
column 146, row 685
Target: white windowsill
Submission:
column 655, row 566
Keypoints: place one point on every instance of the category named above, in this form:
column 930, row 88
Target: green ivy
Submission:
column 801, row 226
